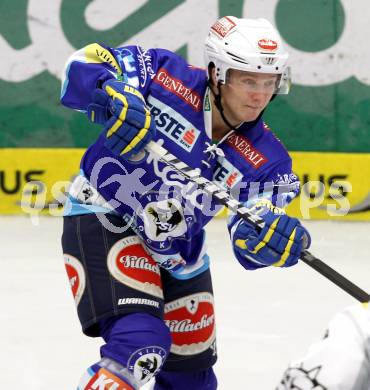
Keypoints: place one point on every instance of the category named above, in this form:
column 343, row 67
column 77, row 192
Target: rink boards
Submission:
column 334, row 185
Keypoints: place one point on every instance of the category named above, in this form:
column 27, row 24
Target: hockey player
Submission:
column 133, row 238
column 340, row 361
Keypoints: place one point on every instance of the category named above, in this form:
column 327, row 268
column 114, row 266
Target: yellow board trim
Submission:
column 50, row 165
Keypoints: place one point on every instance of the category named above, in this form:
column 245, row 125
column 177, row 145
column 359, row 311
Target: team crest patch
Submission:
column 146, row 362
column 166, row 219
column 191, row 320
column 130, row 264
column 76, row 276
column 162, row 221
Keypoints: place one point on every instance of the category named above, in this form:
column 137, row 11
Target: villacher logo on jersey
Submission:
column 76, row 276
column 188, row 326
column 129, row 263
column 139, row 262
column 191, row 321
column 178, row 88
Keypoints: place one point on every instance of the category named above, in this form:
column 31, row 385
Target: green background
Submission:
column 327, row 118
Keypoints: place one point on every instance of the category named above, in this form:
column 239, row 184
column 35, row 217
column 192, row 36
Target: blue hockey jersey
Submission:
column 168, row 214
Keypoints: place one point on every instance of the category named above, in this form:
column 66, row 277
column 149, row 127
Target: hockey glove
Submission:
column 128, row 124
column 279, row 243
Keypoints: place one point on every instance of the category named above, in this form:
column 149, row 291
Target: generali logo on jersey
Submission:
column 129, row 263
column 178, row 88
column 242, row 145
column 223, row 26
column 191, row 320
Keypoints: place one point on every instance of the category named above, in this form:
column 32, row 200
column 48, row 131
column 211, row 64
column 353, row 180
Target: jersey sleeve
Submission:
column 279, row 185
column 89, row 67
column 86, row 70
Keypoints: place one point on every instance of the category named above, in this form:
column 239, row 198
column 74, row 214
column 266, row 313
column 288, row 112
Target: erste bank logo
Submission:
column 173, row 125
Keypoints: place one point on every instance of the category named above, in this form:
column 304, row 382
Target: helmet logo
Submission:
column 267, row 44
column 223, row 26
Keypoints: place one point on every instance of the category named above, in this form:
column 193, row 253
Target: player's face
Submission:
column 246, row 94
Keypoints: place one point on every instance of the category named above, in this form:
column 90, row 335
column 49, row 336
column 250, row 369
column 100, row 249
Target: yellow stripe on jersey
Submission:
column 96, row 54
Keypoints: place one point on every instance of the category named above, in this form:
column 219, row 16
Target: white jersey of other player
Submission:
column 340, row 361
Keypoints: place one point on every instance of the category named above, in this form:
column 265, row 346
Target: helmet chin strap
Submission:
column 220, row 108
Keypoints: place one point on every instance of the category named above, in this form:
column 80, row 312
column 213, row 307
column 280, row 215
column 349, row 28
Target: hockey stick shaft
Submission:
column 335, row 277
column 223, row 197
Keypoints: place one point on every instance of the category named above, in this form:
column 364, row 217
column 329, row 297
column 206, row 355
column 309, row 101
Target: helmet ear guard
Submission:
column 285, row 82
column 251, row 45
column 210, row 68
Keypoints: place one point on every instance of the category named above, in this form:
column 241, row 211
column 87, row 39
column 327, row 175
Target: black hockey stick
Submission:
column 224, row 198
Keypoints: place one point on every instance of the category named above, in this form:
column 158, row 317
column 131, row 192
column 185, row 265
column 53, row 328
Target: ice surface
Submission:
column 264, row 318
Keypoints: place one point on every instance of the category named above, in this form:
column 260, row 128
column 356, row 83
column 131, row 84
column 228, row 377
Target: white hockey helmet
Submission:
column 252, row 45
